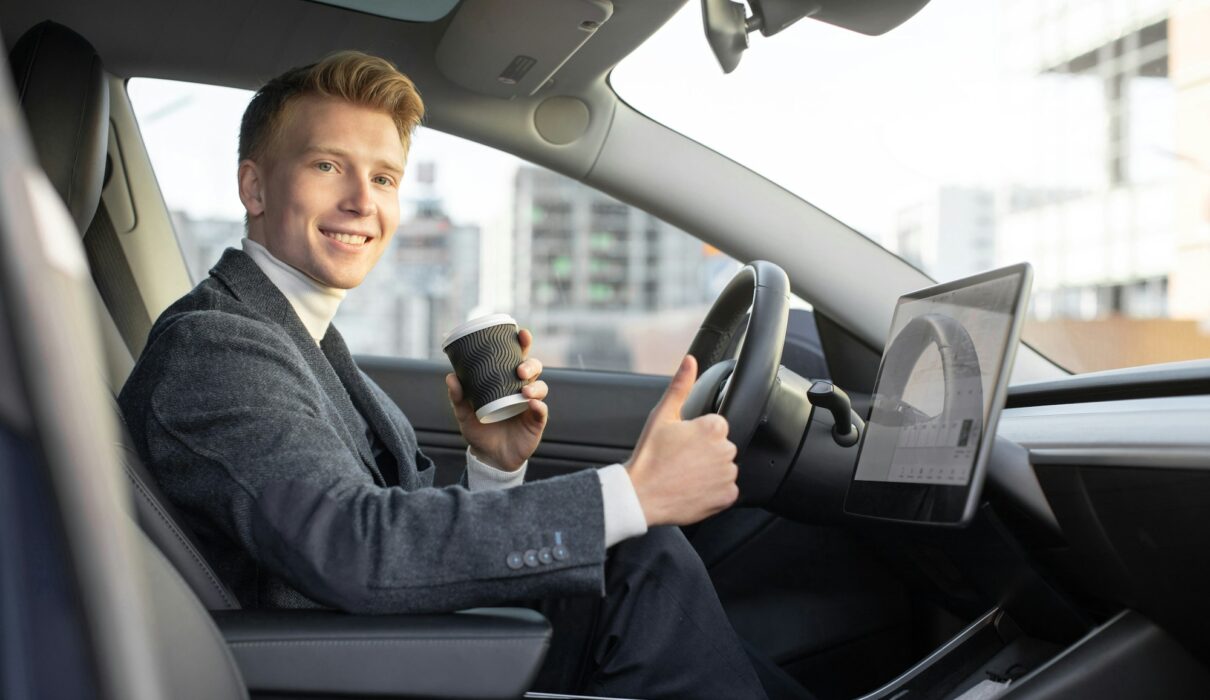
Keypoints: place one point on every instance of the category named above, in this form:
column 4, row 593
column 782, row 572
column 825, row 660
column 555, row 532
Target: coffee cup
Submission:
column 485, row 353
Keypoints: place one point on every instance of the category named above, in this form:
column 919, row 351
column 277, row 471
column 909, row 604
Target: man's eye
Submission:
column 383, row 180
column 324, row 167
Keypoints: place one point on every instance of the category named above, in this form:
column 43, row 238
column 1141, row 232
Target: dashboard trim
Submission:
column 1143, row 457
column 1168, row 379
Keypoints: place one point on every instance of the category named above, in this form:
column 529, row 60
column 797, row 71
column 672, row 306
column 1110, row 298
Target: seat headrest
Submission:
column 63, row 93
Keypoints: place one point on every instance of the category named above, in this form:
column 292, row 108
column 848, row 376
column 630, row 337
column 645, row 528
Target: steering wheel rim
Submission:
column 745, row 382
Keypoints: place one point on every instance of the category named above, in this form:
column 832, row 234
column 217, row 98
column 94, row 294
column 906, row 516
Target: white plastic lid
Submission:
column 503, row 409
column 476, row 324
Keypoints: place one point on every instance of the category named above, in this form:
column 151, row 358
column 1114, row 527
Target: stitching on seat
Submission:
column 180, row 536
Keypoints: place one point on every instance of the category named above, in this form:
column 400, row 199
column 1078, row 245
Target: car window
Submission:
column 603, row 285
column 1072, row 134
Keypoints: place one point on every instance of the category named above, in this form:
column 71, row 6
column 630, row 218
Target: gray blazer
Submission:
column 257, row 435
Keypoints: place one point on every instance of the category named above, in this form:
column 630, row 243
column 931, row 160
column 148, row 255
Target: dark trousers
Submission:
column 659, row 632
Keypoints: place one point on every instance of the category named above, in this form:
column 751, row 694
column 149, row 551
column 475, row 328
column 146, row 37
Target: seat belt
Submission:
column 115, row 281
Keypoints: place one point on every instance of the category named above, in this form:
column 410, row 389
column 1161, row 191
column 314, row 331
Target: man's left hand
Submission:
column 507, row 444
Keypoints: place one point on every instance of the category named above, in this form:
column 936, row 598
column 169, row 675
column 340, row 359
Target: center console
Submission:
column 1126, row 657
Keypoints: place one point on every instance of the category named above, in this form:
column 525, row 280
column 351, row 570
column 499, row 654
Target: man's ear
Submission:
column 251, row 188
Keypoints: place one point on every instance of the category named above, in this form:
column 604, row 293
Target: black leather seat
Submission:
column 61, row 86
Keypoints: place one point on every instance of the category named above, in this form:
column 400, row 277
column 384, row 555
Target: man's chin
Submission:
column 339, row 280
column 346, row 283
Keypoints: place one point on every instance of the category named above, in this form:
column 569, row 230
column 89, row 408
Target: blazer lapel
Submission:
column 366, row 402
column 248, row 284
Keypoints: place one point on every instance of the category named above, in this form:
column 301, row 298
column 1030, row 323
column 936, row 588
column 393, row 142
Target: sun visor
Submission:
column 510, row 49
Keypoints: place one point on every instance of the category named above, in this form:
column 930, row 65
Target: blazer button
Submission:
column 514, row 560
column 531, row 557
column 545, row 556
column 560, row 552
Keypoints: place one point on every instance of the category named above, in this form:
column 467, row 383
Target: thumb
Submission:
column 669, row 407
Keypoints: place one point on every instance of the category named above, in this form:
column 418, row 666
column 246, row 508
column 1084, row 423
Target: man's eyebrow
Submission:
column 384, row 164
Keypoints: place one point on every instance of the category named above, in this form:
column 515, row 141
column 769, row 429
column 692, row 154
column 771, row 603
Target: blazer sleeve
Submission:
column 239, row 418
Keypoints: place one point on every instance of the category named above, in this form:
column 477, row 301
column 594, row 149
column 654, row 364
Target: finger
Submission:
column 669, row 407
column 526, row 339
column 464, row 410
column 713, row 424
column 530, row 369
column 454, row 387
column 731, row 495
column 537, row 390
column 538, row 411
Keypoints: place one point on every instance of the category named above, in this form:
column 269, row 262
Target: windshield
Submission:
column 1072, row 135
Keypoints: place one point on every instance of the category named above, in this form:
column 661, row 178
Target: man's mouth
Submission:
column 346, row 238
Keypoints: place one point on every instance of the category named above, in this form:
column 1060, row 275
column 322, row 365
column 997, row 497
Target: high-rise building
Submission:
column 588, row 266
column 1104, row 181
column 1097, row 212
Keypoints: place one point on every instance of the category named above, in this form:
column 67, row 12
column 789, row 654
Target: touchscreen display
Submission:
column 934, row 392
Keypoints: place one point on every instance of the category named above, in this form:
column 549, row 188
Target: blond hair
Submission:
column 351, row 76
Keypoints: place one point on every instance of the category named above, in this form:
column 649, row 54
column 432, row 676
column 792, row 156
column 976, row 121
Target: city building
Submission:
column 1107, row 188
column 1097, row 216
column 604, row 284
column 951, row 233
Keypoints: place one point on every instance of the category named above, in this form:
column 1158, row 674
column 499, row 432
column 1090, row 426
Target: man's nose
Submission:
column 359, row 197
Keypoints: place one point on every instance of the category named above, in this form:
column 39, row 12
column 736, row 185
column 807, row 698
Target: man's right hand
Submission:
column 683, row 470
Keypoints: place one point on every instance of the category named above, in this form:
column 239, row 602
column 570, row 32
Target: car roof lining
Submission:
column 225, row 42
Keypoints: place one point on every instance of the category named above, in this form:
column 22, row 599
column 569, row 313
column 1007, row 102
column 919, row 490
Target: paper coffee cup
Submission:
column 485, row 353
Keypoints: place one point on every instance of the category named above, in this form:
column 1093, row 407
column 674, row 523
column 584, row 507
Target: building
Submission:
column 601, row 282
column 1123, row 260
column 950, row 234
column 1106, row 187
column 1097, row 216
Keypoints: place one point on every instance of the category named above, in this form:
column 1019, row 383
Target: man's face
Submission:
column 324, row 197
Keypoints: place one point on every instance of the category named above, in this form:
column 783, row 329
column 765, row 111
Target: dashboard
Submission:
column 1097, row 493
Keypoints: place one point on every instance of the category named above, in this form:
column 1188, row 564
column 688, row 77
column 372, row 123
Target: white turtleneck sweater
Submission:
column 316, row 305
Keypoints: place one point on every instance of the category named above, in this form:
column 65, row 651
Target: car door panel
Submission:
column 595, row 417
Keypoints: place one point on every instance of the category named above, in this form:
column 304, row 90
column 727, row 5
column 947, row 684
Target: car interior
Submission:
column 1075, row 573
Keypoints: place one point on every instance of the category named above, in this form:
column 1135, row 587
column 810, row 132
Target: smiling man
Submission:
column 303, row 480
column 327, row 201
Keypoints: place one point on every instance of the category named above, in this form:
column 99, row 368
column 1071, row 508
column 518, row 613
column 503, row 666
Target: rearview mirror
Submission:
column 727, row 24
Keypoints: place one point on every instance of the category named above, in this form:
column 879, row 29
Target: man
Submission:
column 303, row 480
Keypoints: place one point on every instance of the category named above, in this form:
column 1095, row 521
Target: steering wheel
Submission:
column 737, row 361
